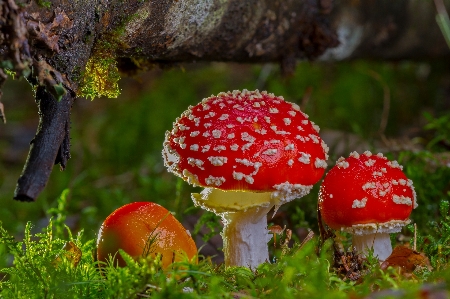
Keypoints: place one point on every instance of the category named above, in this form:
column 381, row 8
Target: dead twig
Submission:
column 2, row 107
column 386, row 101
column 415, row 237
column 325, row 233
column 2, row 112
column 349, row 264
column 443, row 20
column 306, row 97
column 307, row 238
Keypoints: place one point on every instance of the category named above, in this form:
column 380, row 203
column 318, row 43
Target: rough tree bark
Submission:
column 52, row 42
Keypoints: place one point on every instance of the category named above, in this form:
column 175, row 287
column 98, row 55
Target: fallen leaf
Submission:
column 73, row 253
column 407, row 259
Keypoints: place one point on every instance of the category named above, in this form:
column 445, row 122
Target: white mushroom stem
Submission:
column 245, row 237
column 379, row 242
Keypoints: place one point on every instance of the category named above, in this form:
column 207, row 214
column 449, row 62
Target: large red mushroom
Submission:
column 251, row 151
column 370, row 197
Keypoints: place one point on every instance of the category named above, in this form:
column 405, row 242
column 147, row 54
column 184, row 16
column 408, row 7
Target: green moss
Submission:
column 43, row 3
column 10, row 73
column 101, row 75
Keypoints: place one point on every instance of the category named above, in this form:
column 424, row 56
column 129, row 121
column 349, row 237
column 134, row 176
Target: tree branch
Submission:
column 60, row 50
column 49, row 146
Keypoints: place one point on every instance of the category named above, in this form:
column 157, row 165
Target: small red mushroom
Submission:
column 143, row 228
column 251, row 151
column 370, row 197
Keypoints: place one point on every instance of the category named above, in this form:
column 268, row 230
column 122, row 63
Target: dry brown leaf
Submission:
column 407, row 259
column 48, row 34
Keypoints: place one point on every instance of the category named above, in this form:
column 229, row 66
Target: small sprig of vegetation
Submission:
column 44, row 3
column 437, row 245
column 211, row 222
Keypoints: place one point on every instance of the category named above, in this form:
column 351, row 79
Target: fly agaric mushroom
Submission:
column 251, row 151
column 143, row 228
column 369, row 196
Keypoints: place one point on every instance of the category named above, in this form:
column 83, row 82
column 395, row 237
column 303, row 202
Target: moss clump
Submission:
column 10, row 73
column 101, row 77
column 43, row 3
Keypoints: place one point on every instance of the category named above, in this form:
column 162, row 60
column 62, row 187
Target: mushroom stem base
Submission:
column 245, row 237
column 380, row 242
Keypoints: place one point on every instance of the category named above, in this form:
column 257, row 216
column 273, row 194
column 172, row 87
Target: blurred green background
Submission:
column 401, row 109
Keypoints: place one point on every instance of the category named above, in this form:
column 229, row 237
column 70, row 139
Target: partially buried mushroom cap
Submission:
column 247, row 141
column 141, row 229
column 366, row 194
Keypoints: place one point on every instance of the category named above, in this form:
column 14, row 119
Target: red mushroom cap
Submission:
column 130, row 228
column 245, row 141
column 367, row 192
